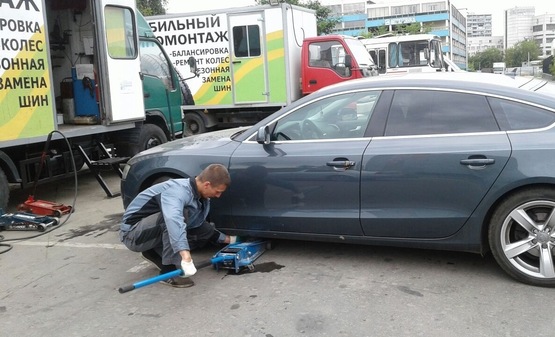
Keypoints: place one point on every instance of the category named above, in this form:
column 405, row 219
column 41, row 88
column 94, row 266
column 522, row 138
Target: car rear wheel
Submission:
column 522, row 236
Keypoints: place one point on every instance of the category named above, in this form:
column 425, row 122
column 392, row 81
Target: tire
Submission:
column 186, row 94
column 151, row 135
column 194, row 124
column 130, row 142
column 522, row 236
column 4, row 191
column 160, row 180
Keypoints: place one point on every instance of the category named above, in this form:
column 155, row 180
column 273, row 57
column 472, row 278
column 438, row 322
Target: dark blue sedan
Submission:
column 442, row 161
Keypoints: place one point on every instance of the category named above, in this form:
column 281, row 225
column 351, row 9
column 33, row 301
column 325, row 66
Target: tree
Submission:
column 410, row 29
column 324, row 21
column 152, row 7
column 485, row 59
column 381, row 30
column 523, row 51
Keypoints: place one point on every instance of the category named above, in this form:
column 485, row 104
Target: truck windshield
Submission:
column 362, row 57
column 360, row 53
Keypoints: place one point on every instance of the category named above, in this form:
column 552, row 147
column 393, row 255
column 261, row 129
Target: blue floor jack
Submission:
column 235, row 257
column 22, row 221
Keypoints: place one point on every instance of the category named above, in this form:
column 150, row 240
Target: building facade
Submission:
column 543, row 32
column 478, row 25
column 518, row 25
column 479, row 44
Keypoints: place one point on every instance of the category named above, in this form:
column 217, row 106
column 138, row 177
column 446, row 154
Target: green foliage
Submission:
column 381, row 30
column 523, row 51
column 409, row 29
column 152, row 7
column 485, row 59
column 325, row 22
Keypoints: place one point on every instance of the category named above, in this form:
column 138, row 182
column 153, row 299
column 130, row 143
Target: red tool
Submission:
column 42, row 207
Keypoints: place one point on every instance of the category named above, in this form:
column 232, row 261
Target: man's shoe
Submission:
column 179, row 282
column 152, row 256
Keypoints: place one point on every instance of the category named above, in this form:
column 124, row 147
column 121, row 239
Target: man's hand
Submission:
column 188, row 267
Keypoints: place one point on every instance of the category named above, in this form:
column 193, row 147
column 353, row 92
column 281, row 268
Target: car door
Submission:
column 440, row 154
column 307, row 179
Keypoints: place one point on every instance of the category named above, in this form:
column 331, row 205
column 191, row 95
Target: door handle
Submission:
column 341, row 164
column 478, row 161
column 312, row 82
column 235, row 62
column 146, row 94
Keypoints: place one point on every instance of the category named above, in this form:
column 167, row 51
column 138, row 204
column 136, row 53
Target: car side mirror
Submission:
column 263, row 135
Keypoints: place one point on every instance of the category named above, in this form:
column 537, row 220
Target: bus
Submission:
column 406, row 53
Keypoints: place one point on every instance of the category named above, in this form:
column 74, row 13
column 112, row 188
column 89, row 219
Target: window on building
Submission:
column 433, row 6
column 354, row 8
column 335, row 9
column 355, row 24
column 378, row 12
column 406, row 9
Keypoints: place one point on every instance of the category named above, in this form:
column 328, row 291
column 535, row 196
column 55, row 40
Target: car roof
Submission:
column 524, row 88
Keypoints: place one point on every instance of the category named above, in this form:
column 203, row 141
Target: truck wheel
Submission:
column 151, row 135
column 4, row 191
column 522, row 236
column 194, row 124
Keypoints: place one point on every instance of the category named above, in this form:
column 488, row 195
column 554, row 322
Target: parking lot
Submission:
column 65, row 283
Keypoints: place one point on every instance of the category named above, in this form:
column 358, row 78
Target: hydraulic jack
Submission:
column 25, row 222
column 235, row 256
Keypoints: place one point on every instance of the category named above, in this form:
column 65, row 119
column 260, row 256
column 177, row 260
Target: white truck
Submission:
column 249, row 60
column 398, row 54
column 498, row 67
column 89, row 72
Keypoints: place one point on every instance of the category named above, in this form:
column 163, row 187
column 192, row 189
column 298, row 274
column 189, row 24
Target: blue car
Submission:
column 452, row 161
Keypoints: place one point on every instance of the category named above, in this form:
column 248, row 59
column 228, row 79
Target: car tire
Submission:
column 194, row 124
column 160, row 179
column 130, row 142
column 522, row 236
column 151, row 135
column 4, row 191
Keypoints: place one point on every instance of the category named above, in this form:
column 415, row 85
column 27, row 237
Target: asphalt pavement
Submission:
column 65, row 283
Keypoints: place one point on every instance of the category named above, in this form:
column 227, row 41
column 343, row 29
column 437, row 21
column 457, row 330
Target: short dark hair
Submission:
column 216, row 174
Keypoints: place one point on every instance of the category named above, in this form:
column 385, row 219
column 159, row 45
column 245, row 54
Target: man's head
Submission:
column 213, row 181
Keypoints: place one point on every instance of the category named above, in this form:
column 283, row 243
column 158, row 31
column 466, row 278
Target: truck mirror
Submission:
column 348, row 61
column 192, row 62
column 263, row 135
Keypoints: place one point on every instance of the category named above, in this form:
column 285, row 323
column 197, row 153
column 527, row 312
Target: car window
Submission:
column 338, row 116
column 421, row 112
column 517, row 116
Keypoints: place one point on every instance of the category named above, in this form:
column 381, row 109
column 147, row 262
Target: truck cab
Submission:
column 330, row 59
